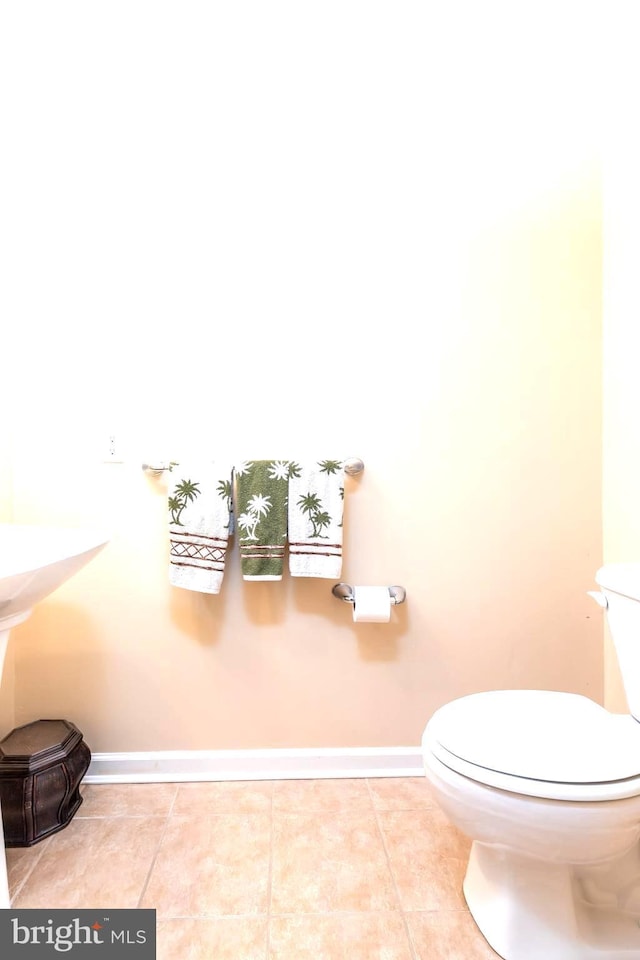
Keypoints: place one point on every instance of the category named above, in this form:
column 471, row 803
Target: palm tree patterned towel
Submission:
column 316, row 505
column 199, row 522
column 261, row 510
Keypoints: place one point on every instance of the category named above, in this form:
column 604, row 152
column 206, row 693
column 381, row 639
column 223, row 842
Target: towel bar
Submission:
column 345, row 592
column 353, row 466
column 157, row 468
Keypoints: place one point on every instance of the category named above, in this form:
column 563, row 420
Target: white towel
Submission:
column 199, row 522
column 316, row 504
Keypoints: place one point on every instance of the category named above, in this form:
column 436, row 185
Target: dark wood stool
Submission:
column 41, row 767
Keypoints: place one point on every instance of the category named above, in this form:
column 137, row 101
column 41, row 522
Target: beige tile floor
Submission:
column 270, row 870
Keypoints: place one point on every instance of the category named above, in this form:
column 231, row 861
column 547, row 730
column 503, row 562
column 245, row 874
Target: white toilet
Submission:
column 547, row 785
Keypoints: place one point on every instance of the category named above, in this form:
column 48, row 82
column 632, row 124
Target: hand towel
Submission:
column 316, row 504
column 199, row 521
column 261, row 517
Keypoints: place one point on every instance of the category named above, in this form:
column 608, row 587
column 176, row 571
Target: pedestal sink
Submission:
column 35, row 561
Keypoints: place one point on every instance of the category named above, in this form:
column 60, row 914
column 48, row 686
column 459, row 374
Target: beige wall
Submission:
column 7, row 684
column 383, row 242
column 621, row 384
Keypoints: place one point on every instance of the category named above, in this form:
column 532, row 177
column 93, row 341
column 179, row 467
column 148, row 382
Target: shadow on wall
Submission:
column 199, row 615
column 60, row 649
column 376, row 641
column 203, row 617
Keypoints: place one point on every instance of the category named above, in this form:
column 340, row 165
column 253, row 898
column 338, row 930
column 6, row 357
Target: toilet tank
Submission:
column 620, row 584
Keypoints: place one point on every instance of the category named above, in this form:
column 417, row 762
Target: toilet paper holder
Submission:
column 344, row 591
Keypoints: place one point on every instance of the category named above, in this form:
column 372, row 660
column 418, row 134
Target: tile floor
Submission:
column 266, row 870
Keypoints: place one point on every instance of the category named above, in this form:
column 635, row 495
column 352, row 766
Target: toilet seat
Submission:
column 539, row 743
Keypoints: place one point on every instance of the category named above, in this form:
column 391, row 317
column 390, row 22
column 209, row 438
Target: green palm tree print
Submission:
column 184, row 492
column 311, row 504
column 329, row 466
column 224, row 491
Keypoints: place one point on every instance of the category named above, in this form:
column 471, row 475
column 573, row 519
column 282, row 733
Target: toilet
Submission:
column 547, row 787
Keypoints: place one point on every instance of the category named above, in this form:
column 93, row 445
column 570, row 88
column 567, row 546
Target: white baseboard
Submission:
column 278, row 764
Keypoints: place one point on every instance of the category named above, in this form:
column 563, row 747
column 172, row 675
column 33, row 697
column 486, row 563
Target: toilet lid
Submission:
column 539, row 735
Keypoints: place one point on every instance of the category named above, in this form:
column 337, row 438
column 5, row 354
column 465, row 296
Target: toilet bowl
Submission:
column 547, row 787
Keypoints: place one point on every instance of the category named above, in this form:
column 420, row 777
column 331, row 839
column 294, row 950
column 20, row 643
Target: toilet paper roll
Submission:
column 371, row 605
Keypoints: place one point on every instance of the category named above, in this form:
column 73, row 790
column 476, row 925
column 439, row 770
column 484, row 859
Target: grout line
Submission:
column 14, row 894
column 173, row 802
column 212, row 917
column 155, row 856
column 153, row 863
column 402, row 912
column 267, row 945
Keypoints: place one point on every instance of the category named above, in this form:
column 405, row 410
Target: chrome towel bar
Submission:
column 353, row 466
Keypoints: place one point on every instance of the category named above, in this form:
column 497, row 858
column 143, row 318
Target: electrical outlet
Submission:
column 112, row 451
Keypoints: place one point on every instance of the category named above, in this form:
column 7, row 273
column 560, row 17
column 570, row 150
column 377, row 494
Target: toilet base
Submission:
column 535, row 910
